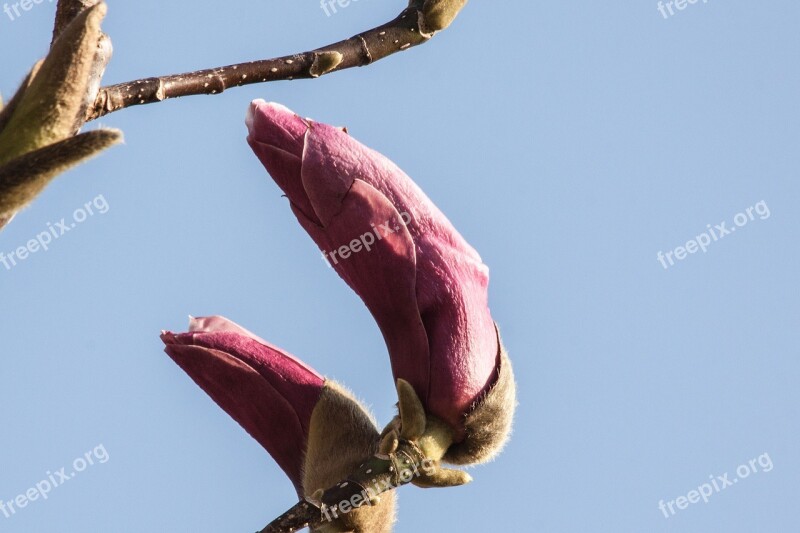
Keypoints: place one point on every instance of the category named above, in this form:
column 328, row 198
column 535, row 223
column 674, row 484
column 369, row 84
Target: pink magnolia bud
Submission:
column 269, row 392
column 423, row 283
column 313, row 428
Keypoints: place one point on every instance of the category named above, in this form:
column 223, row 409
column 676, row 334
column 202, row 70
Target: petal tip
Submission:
column 272, row 112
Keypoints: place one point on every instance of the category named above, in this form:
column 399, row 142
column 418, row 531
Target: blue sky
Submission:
column 569, row 142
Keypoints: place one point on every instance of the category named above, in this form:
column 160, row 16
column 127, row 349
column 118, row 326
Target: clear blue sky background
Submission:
column 570, row 142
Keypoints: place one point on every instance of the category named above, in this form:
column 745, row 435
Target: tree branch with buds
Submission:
column 73, row 96
column 40, row 139
column 414, row 26
column 411, row 449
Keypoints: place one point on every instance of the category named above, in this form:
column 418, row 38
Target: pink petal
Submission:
column 384, row 277
column 424, row 284
column 270, row 393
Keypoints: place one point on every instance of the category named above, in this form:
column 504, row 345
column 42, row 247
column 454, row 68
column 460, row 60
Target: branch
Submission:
column 410, row 451
column 379, row 474
column 414, row 26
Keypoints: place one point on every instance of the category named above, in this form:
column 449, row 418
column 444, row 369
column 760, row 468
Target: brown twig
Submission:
column 414, row 26
column 379, row 474
column 410, row 451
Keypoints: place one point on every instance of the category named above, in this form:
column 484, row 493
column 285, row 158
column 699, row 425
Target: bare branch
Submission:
column 409, row 29
column 410, row 450
column 378, row 474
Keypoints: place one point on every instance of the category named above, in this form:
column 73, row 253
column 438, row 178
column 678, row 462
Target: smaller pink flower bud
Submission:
column 313, row 428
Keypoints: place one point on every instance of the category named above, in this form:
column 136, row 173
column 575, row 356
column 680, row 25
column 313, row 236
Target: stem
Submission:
column 406, row 31
column 377, row 475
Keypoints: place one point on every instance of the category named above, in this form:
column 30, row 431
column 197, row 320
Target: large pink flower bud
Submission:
column 423, row 283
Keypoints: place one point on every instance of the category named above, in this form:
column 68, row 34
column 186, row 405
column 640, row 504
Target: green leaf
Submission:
column 52, row 107
column 22, row 179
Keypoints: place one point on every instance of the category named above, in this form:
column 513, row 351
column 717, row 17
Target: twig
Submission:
column 409, row 29
column 379, row 474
